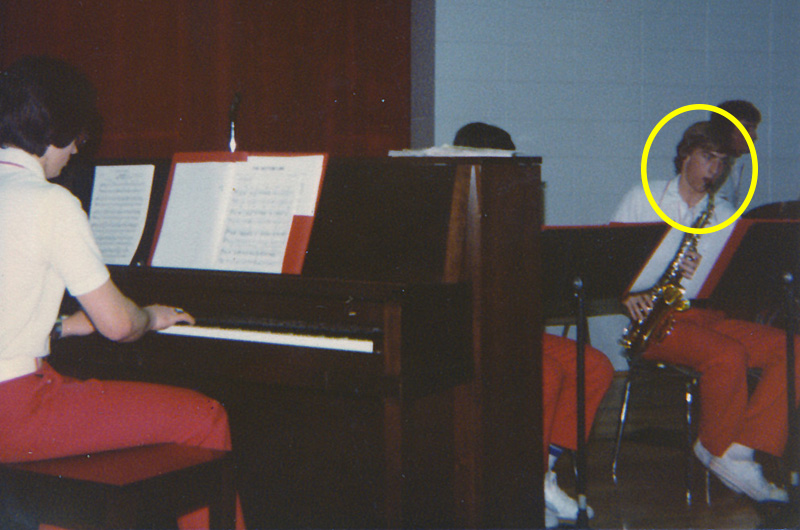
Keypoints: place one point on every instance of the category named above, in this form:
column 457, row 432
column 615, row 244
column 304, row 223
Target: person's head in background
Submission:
column 747, row 114
column 483, row 136
column 47, row 108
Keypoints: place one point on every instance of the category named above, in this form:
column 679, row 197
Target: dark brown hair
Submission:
column 483, row 135
column 45, row 101
column 700, row 134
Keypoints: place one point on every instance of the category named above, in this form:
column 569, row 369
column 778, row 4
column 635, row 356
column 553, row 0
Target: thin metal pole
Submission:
column 582, row 332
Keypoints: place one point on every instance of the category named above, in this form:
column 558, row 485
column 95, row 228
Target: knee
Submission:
column 217, row 416
column 217, row 413
column 552, row 379
column 210, row 424
column 606, row 370
column 599, row 368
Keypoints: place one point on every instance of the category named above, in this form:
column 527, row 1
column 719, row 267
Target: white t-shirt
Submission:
column 46, row 245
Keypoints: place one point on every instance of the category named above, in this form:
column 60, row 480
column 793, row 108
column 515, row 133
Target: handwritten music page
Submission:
column 120, row 198
column 236, row 216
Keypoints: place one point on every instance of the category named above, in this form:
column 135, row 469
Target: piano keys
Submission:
column 273, row 337
column 416, row 332
column 429, row 264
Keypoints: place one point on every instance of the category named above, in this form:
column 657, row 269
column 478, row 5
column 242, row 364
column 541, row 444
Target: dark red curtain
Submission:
column 314, row 75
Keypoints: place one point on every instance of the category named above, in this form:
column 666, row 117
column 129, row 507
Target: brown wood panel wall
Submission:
column 314, row 75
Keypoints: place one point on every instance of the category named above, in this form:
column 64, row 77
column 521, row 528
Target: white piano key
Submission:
column 272, row 337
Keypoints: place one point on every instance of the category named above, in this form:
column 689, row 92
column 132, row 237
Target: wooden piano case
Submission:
column 436, row 261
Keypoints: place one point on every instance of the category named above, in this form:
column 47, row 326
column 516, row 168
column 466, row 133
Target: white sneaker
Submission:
column 745, row 476
column 550, row 518
column 702, row 453
column 564, row 507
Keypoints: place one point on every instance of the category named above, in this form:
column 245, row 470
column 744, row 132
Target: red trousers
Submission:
column 47, row 415
column 722, row 350
column 559, row 392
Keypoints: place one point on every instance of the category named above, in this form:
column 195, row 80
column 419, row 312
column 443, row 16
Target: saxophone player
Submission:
column 733, row 424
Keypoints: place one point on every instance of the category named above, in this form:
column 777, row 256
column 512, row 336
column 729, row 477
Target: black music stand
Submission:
column 753, row 276
column 789, row 515
column 590, row 267
column 764, row 266
column 606, row 257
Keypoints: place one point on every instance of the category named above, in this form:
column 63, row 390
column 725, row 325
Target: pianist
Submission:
column 46, row 245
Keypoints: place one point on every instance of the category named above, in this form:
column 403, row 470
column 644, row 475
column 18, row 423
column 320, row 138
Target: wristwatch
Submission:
column 55, row 334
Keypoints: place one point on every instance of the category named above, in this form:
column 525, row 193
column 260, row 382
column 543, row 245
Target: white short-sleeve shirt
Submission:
column 636, row 208
column 46, row 245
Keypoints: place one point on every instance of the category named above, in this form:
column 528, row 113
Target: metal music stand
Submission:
column 582, row 521
column 791, row 394
column 585, row 270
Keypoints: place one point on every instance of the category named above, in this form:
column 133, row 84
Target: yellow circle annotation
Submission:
column 646, row 152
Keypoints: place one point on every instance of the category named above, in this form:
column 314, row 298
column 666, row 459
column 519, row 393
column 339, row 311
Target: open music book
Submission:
column 248, row 212
column 238, row 211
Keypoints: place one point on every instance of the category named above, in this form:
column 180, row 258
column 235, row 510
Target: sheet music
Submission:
column 120, row 198
column 192, row 228
column 303, row 171
column 236, row 216
column 258, row 220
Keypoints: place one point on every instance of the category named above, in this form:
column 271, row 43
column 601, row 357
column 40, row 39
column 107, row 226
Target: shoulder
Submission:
column 635, row 205
column 656, row 187
column 53, row 209
column 33, row 198
column 61, row 199
column 723, row 208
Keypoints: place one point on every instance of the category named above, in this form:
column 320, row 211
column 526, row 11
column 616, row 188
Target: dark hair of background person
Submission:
column 702, row 135
column 45, row 101
column 482, row 135
column 740, row 109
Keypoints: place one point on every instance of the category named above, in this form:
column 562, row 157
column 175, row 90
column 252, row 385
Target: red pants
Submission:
column 559, row 392
column 47, row 415
column 722, row 350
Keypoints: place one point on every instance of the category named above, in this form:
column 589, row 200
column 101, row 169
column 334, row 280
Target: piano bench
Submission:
column 139, row 487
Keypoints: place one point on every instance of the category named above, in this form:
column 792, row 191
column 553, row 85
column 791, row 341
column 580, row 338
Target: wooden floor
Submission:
column 650, row 491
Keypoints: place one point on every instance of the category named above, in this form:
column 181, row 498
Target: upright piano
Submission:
column 396, row 382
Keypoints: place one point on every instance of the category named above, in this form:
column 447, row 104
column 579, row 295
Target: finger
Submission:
column 181, row 315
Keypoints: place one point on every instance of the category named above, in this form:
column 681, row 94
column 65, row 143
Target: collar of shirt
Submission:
column 673, row 205
column 14, row 156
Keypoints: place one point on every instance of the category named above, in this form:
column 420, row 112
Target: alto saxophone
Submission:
column 666, row 295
